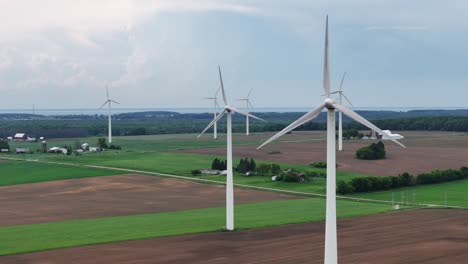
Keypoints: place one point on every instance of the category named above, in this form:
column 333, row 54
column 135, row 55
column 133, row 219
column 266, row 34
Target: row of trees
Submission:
column 246, row 165
column 374, row 151
column 371, row 184
column 218, row 164
column 83, row 126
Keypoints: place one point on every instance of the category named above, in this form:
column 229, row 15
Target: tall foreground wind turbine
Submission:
column 331, row 254
column 109, row 102
column 248, row 105
column 228, row 110
column 340, row 114
column 215, row 112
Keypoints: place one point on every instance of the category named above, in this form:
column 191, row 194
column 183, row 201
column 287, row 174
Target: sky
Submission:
column 165, row 53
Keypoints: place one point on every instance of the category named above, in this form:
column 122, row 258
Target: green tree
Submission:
column 275, row 168
column 102, row 143
column 252, row 165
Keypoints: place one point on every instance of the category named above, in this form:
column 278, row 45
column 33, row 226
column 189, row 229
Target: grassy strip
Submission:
column 20, row 172
column 37, row 237
column 456, row 193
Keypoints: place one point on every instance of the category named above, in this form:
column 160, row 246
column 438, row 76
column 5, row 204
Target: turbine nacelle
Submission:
column 329, row 103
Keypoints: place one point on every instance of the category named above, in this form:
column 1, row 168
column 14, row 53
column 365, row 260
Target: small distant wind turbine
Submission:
column 248, row 105
column 228, row 110
column 331, row 251
column 340, row 114
column 109, row 102
column 215, row 112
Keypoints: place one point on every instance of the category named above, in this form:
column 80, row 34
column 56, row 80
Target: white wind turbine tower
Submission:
column 215, row 112
column 340, row 114
column 248, row 105
column 331, row 252
column 228, row 110
column 109, row 102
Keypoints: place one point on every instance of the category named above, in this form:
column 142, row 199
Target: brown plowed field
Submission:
column 419, row 236
column 426, row 151
column 112, row 196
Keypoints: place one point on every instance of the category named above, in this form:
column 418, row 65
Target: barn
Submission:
column 20, row 137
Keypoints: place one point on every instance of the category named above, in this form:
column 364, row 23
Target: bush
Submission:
column 374, row 151
column 275, row 168
column 115, row 147
column 196, row 172
column 264, row 169
column 344, row 187
column 291, row 175
column 319, row 164
column 4, row 144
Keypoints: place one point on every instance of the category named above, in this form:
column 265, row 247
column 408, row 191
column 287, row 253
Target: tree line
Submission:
column 371, row 183
column 194, row 123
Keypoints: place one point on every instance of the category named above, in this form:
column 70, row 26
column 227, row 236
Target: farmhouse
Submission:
column 20, row 137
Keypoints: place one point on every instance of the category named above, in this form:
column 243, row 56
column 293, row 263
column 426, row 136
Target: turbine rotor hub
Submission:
column 329, row 103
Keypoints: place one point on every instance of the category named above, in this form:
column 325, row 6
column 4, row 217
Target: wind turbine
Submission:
column 228, row 111
column 248, row 104
column 109, row 102
column 216, row 106
column 340, row 114
column 331, row 252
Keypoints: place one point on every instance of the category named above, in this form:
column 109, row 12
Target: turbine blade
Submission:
column 114, row 101
column 347, row 99
column 217, row 91
column 245, row 113
column 107, row 91
column 326, row 66
column 305, row 118
column 341, row 83
column 222, row 86
column 362, row 120
column 251, row 105
column 218, row 117
column 249, row 93
column 104, row 104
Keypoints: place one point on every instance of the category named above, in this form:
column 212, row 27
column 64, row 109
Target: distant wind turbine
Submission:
column 331, row 251
column 228, row 110
column 215, row 112
column 109, row 102
column 248, row 105
column 340, row 114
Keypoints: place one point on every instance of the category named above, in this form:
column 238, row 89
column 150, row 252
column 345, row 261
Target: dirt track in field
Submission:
column 422, row 236
column 426, row 151
column 112, row 196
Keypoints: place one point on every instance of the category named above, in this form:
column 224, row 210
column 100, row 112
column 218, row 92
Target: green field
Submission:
column 20, row 172
column 183, row 163
column 456, row 193
column 36, row 237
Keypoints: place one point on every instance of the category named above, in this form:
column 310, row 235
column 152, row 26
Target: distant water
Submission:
column 91, row 111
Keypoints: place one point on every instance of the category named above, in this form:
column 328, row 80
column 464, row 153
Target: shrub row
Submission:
column 371, row 184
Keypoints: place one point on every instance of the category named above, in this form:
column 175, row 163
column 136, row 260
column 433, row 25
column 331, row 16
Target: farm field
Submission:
column 21, row 172
column 113, row 196
column 426, row 151
column 36, row 237
column 426, row 236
